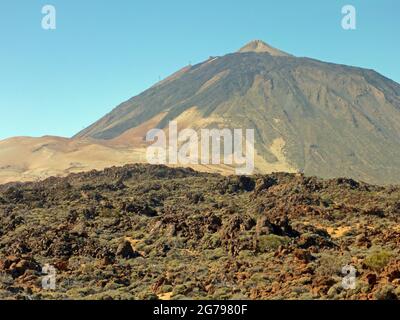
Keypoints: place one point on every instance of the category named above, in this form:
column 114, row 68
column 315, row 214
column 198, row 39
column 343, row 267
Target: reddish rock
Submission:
column 372, row 279
column 393, row 271
column 303, row 255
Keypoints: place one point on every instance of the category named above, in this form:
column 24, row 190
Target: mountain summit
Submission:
column 259, row 46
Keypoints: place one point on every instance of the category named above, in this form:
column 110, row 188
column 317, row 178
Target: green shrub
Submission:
column 215, row 254
column 330, row 264
column 222, row 293
column 378, row 259
column 166, row 288
column 270, row 242
column 179, row 290
column 147, row 295
column 386, row 293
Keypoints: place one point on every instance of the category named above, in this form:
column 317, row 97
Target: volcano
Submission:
column 320, row 118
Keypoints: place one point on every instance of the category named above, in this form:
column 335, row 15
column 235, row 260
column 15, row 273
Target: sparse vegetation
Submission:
column 205, row 236
column 378, row 259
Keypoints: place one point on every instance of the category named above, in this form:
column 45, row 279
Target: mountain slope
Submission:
column 329, row 120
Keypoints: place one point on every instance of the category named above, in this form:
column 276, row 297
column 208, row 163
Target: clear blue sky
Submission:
column 104, row 52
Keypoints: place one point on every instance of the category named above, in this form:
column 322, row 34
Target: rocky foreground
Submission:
column 152, row 232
